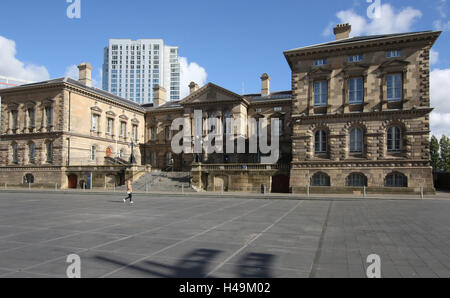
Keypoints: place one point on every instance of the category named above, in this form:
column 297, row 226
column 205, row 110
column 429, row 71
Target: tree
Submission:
column 434, row 154
column 445, row 153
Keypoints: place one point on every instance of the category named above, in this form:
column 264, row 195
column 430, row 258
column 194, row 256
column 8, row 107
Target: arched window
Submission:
column 32, row 152
column 320, row 141
column 396, row 180
column 28, row 178
column 356, row 140
column 320, row 179
column 394, row 139
column 356, row 179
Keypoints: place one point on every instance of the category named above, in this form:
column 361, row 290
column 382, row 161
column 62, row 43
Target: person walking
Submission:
column 129, row 192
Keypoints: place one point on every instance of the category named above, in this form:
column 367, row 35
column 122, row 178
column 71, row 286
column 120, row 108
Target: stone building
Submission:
column 357, row 118
column 361, row 111
column 65, row 133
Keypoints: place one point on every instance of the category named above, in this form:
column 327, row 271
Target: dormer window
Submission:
column 320, row 62
column 393, row 54
column 356, row 58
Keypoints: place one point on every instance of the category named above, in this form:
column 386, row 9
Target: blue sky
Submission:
column 233, row 41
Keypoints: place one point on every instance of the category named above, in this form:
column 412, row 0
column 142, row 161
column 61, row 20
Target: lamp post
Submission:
column 132, row 158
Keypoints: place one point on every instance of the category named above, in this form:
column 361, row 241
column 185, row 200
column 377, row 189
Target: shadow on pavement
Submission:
column 195, row 265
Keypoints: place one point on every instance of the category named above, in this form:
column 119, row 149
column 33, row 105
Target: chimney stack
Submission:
column 193, row 87
column 342, row 31
column 85, row 74
column 159, row 96
column 265, row 80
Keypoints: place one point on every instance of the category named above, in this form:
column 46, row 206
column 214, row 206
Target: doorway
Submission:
column 280, row 184
column 72, row 181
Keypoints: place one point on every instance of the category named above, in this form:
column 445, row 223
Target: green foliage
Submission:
column 434, row 154
column 445, row 153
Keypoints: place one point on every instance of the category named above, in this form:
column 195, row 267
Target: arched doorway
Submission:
column 72, row 181
column 280, row 184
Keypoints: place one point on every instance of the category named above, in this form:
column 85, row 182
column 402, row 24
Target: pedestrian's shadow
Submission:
column 198, row 263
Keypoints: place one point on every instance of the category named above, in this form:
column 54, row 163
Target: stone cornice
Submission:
column 377, row 114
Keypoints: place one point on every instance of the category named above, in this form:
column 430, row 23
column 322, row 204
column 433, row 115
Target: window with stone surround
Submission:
column 396, row 179
column 32, row 152
column 320, row 142
column 394, row 87
column 356, row 140
column 394, row 139
column 15, row 153
column 320, row 179
column 356, row 180
column 320, row 93
column 356, row 90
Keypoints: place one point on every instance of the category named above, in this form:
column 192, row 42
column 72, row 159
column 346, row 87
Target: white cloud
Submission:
column 439, row 90
column 190, row 72
column 439, row 25
column 434, row 56
column 390, row 21
column 10, row 66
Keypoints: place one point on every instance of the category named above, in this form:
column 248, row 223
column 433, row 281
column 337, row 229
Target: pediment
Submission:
column 211, row 93
column 396, row 63
column 355, row 68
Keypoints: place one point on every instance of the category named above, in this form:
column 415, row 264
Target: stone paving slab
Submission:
column 194, row 235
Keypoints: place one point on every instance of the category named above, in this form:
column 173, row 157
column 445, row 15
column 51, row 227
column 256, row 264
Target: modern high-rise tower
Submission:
column 132, row 68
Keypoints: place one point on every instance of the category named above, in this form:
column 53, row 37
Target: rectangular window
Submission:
column 320, row 62
column 49, row 147
column 109, row 131
column 15, row 154
column 320, row 93
column 393, row 54
column 123, row 129
column 134, row 132
column 356, row 90
column 394, row 87
column 167, row 133
column 95, row 121
column 93, row 153
column 31, row 118
column 153, row 133
column 15, row 119
column 356, row 58
column 32, row 152
column 49, row 116
column 278, row 109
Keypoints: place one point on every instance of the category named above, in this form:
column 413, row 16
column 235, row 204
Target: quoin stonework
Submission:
column 357, row 118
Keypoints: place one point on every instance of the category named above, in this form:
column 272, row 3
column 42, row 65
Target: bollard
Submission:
column 307, row 190
column 421, row 192
column 56, row 186
column 114, row 187
column 221, row 190
column 364, row 192
column 182, row 188
column 6, row 185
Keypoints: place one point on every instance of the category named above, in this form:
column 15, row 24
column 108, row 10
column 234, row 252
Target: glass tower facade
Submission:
column 131, row 69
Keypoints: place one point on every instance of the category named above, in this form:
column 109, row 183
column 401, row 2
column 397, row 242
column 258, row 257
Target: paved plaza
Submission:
column 202, row 236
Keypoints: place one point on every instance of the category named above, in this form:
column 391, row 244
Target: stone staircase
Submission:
column 162, row 181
